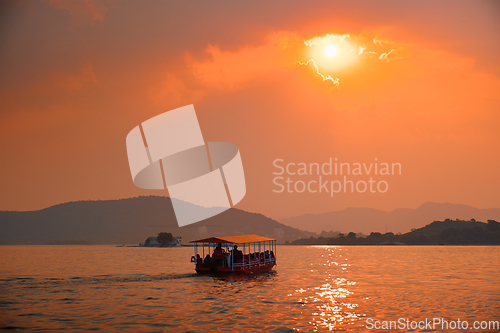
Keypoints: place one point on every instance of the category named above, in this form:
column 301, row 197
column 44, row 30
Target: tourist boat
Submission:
column 239, row 255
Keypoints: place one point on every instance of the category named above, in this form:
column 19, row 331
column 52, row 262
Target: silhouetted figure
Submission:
column 238, row 255
column 218, row 255
column 207, row 261
column 218, row 252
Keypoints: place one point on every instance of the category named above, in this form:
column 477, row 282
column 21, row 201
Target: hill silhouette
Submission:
column 401, row 220
column 129, row 221
column 447, row 232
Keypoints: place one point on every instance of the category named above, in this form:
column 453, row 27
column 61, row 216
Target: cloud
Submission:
column 326, row 39
column 169, row 91
column 351, row 49
column 87, row 11
column 385, row 56
column 365, row 46
column 43, row 93
column 325, row 77
column 231, row 70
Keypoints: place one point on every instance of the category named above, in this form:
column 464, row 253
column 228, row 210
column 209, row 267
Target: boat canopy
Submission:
column 241, row 239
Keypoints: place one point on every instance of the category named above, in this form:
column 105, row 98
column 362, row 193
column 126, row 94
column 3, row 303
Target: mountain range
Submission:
column 132, row 220
column 129, row 221
column 401, row 220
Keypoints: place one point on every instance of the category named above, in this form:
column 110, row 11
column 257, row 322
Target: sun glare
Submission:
column 331, row 50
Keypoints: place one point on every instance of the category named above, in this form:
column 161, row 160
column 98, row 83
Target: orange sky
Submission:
column 76, row 77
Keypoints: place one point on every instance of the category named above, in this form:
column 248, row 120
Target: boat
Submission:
column 234, row 255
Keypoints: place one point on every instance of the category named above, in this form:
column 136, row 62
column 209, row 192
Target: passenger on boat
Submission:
column 199, row 261
column 272, row 254
column 218, row 255
column 218, row 252
column 238, row 255
column 207, row 261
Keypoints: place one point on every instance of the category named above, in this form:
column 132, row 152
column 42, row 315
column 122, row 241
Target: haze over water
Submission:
column 314, row 288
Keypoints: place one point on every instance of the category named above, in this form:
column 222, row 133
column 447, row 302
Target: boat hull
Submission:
column 243, row 270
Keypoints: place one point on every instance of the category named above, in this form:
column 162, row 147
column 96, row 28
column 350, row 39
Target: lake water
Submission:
column 313, row 289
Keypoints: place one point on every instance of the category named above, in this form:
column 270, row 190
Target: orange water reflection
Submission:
column 328, row 305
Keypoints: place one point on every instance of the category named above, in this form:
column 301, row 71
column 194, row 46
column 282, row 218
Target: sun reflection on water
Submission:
column 328, row 305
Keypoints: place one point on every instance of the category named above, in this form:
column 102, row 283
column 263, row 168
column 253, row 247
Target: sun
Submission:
column 330, row 50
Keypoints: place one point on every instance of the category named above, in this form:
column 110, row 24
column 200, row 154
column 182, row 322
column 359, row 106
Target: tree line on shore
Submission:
column 447, row 232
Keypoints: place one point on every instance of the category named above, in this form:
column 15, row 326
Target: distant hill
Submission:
column 455, row 232
column 367, row 220
column 128, row 221
column 447, row 232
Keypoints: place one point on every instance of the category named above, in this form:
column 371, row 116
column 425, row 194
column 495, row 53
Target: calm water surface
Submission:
column 314, row 289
